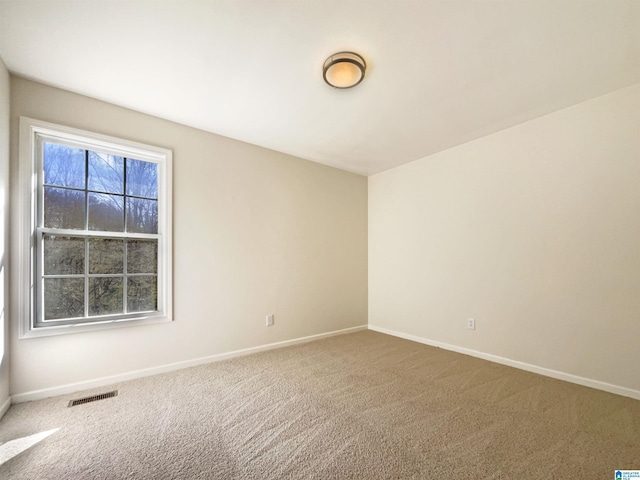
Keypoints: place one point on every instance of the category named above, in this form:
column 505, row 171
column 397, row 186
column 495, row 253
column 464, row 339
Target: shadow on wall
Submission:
column 3, row 327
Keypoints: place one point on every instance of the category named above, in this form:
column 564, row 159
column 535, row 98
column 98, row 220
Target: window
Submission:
column 95, row 231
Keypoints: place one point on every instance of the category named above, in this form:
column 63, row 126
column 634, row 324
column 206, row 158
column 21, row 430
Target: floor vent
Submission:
column 94, row 398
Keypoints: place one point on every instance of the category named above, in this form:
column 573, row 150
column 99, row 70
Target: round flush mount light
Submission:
column 344, row 70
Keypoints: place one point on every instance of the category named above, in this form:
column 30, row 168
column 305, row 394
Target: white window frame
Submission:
column 31, row 131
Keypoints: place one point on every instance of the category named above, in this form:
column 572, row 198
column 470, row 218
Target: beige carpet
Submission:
column 363, row 405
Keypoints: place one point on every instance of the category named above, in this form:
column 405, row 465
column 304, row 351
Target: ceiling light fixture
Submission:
column 344, row 70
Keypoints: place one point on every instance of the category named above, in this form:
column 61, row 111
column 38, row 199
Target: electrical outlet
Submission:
column 270, row 320
column 471, row 323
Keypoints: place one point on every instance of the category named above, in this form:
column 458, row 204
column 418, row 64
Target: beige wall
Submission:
column 4, row 236
column 255, row 232
column 534, row 231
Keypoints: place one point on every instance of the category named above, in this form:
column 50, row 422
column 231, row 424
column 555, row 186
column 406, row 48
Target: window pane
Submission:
column 63, row 208
column 142, row 215
column 105, row 296
column 142, row 178
column 106, row 255
column 142, row 256
column 63, row 166
column 106, row 173
column 142, row 294
column 63, row 255
column 63, row 298
column 106, row 212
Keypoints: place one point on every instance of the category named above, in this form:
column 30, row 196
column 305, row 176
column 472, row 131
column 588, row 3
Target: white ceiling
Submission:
column 440, row 73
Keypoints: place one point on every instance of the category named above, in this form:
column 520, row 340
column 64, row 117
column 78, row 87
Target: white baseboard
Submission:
column 5, row 406
column 101, row 382
column 547, row 372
